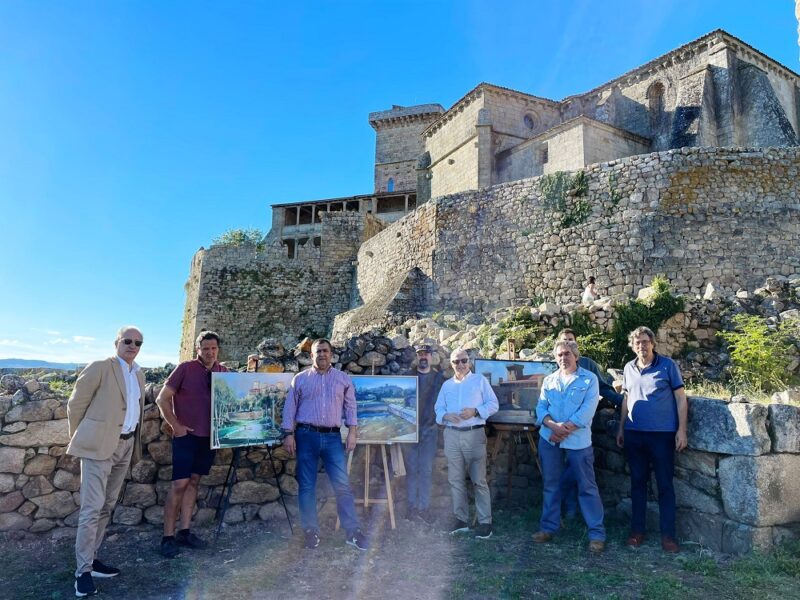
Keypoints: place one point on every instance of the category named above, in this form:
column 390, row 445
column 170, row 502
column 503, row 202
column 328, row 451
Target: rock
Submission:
column 14, row 522
column 717, row 426
column 11, row 501
column 701, row 462
column 19, row 397
column 289, row 485
column 15, row 427
column 686, row 495
column 271, row 348
column 32, row 411
column 41, row 464
column 252, row 492
column 36, row 486
column 216, row 475
column 42, row 525
column 710, row 293
column 127, row 515
column 372, row 358
column 5, row 405
column 150, row 431
column 40, row 433
column 204, row 516
column 399, row 342
column 788, row 395
column 154, row 515
column 354, row 367
column 71, row 520
column 739, row 539
column 548, row 309
column 12, row 460
column 64, row 480
column 144, row 471
column 161, row 452
column 784, row 428
column 32, row 386
column 304, row 359
column 10, row 383
column 139, row 494
column 761, row 490
column 55, row 506
column 790, row 315
column 304, row 346
column 6, row 483
column 68, row 463
column 743, row 294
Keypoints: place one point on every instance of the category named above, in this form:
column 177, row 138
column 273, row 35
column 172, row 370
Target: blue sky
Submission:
column 132, row 133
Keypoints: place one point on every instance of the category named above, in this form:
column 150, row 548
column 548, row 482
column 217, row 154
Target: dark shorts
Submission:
column 191, row 454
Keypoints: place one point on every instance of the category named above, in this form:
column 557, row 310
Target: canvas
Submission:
column 387, row 409
column 246, row 408
column 517, row 384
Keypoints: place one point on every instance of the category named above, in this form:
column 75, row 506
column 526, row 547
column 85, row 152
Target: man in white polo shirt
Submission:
column 463, row 405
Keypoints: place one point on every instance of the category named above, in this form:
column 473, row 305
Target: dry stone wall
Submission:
column 697, row 215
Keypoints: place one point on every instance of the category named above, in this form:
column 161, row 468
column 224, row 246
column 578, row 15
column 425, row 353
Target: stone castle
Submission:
column 685, row 166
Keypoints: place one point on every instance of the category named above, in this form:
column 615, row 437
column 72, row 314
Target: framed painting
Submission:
column 517, row 384
column 246, row 408
column 387, row 409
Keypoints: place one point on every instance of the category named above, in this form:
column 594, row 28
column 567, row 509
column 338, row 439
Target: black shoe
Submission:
column 312, row 539
column 101, row 570
column 357, row 539
column 186, row 538
column 483, row 531
column 169, row 547
column 84, row 586
column 458, row 526
column 426, row 516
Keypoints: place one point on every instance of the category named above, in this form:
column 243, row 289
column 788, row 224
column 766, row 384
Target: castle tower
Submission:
column 398, row 144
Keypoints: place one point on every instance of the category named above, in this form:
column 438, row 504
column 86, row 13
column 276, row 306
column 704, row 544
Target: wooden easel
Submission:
column 387, row 479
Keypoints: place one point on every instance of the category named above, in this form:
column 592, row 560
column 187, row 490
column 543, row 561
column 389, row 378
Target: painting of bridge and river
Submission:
column 387, row 409
column 246, row 408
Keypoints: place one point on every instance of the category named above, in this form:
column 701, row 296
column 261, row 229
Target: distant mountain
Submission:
column 21, row 363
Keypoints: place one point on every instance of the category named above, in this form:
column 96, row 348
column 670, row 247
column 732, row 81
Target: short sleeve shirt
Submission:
column 651, row 395
column 192, row 401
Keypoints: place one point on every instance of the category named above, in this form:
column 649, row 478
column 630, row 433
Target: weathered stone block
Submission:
column 154, row 515
column 728, row 428
column 36, row 486
column 12, row 460
column 690, row 497
column 41, row 464
column 54, row 506
column 6, row 483
column 64, row 480
column 144, row 471
column 784, row 427
column 150, row 431
column 702, row 462
column 32, row 411
column 11, row 501
column 42, row 525
column 139, row 494
column 216, row 475
column 161, row 452
column 127, row 515
column 14, row 522
column 761, row 490
column 289, row 485
column 738, row 538
column 40, row 433
column 252, row 492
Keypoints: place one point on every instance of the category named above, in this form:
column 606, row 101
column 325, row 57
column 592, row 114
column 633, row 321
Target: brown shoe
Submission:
column 597, row 546
column 542, row 537
column 634, row 540
column 669, row 545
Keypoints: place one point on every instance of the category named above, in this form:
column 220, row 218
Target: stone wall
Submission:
column 697, row 215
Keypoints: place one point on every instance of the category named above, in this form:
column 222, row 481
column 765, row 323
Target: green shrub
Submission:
column 239, row 237
column 566, row 194
column 759, row 356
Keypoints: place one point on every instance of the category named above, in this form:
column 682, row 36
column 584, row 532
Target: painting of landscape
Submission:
column 246, row 408
column 387, row 409
column 517, row 384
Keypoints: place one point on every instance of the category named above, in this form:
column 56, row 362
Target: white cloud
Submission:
column 57, row 341
column 83, row 339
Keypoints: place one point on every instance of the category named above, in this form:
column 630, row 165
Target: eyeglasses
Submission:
column 129, row 341
column 463, row 361
column 563, row 354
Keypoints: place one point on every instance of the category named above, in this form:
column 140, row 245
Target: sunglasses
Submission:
column 463, row 361
column 129, row 341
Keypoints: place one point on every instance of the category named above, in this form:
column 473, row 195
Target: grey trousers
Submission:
column 466, row 452
column 101, row 481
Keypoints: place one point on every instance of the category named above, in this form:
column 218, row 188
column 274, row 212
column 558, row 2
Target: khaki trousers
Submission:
column 101, row 481
column 466, row 452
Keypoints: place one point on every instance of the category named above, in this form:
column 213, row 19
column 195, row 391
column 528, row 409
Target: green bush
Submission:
column 239, row 237
column 759, row 356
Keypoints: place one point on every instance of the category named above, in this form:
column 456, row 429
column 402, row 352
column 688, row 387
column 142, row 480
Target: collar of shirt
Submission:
column 126, row 368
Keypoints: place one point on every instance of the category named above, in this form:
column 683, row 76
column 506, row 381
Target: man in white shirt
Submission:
column 463, row 405
column 105, row 416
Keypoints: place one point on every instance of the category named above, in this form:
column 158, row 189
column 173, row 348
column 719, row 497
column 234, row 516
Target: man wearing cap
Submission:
column 464, row 403
column 419, row 457
column 105, row 416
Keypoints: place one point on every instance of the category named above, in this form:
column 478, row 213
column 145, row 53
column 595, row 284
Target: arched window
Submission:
column 390, row 185
column 655, row 103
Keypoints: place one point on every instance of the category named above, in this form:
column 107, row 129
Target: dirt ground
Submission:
column 262, row 560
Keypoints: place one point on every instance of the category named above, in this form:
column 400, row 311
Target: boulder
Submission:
column 40, row 433
column 761, row 490
column 36, row 486
column 15, row 427
column 253, row 492
column 12, row 460
column 702, row 462
column 41, row 464
column 139, row 494
column 690, row 497
column 6, row 483
column 11, row 501
column 64, row 480
column 399, row 342
column 216, row 475
column 150, row 431
column 372, row 358
column 32, row 411
column 784, row 428
column 14, row 522
column 144, row 471
column 154, row 515
column 161, row 452
column 54, row 506
column 728, row 428
column 127, row 515
column 289, row 485
column 42, row 525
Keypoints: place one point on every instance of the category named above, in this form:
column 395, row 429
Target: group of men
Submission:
column 106, row 409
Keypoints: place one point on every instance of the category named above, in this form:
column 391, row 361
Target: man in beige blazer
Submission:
column 105, row 414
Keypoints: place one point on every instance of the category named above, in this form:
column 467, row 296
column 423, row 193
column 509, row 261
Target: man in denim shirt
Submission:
column 565, row 410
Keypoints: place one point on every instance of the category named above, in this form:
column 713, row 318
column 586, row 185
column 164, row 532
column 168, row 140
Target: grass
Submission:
column 725, row 391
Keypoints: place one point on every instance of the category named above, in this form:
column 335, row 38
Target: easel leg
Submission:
column 280, row 490
column 534, row 451
column 387, row 478
column 224, row 501
column 367, row 456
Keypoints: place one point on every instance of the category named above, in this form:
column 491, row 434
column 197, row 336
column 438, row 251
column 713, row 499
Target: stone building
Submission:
column 714, row 92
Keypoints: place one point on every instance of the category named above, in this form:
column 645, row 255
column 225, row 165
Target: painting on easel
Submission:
column 517, row 384
column 246, row 408
column 387, row 409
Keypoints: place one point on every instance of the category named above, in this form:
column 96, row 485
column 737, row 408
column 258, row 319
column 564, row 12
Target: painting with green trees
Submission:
column 246, row 408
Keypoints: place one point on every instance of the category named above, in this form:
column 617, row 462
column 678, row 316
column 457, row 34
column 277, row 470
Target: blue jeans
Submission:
column 311, row 446
column 646, row 450
column 582, row 464
column 419, row 467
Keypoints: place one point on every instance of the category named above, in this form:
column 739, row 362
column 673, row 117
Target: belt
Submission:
column 318, row 429
column 127, row 436
column 466, row 428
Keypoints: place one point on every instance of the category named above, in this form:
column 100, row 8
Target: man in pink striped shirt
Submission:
column 312, row 416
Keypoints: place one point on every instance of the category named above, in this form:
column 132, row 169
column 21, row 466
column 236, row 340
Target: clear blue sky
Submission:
column 132, row 133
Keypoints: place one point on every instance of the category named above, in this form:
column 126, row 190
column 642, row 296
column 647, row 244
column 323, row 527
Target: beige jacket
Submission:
column 96, row 411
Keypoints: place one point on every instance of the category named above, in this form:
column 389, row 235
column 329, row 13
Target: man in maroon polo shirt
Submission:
column 185, row 403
